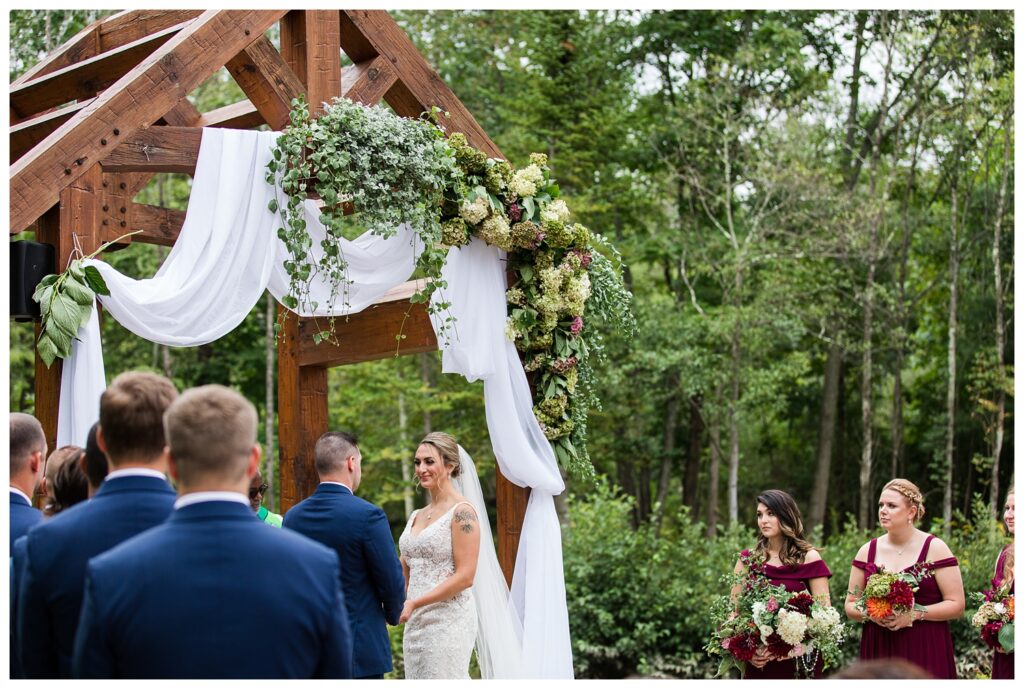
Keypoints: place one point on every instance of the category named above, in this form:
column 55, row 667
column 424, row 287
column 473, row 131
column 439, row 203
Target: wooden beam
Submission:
column 267, row 80
column 125, row 27
column 368, row 81
column 84, row 44
column 370, row 334
column 240, row 115
column 302, row 390
column 512, row 501
column 137, row 99
column 84, row 79
column 157, row 149
column 183, row 114
column 28, row 133
column 159, row 225
column 366, row 33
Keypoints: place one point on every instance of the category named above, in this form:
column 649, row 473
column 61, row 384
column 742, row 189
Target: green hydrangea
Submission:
column 525, row 182
column 475, row 212
column 454, row 232
column 558, row 234
column 515, row 296
column 497, row 177
column 539, row 159
column 526, row 235
column 496, row 232
column 580, row 236
column 556, row 211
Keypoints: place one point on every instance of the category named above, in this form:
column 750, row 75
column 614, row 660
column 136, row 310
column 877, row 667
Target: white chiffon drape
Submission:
column 228, row 252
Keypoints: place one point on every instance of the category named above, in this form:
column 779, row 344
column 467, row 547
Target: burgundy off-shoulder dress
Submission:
column 927, row 644
column 795, row 578
column 1002, row 663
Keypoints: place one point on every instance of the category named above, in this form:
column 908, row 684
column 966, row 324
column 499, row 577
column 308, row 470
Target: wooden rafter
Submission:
column 267, row 80
column 86, row 78
column 368, row 81
column 137, row 99
column 240, row 115
column 368, row 33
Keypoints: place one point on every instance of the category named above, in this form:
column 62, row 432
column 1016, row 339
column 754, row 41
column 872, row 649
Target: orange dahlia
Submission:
column 879, row 608
column 1009, row 607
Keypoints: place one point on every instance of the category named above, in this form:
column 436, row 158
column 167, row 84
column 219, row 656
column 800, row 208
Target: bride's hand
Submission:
column 407, row 611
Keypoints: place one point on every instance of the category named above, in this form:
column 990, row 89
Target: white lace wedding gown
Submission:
column 439, row 637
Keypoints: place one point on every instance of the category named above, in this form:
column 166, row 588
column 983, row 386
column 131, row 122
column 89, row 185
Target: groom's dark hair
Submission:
column 331, row 450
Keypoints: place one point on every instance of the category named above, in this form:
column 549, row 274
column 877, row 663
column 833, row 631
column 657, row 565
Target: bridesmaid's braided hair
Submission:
column 447, row 447
column 794, row 546
column 909, row 491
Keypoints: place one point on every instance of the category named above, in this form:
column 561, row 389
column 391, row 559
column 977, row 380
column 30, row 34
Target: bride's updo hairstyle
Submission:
column 447, row 447
column 911, row 493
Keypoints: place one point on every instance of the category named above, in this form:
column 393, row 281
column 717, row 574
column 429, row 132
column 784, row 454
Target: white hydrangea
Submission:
column 474, row 212
column 791, row 626
column 823, row 619
column 556, row 211
column 525, row 182
column 495, row 231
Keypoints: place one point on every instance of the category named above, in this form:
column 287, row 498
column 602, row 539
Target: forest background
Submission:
column 816, row 213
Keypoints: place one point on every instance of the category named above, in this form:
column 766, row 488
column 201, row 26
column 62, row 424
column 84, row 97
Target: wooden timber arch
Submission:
column 123, row 83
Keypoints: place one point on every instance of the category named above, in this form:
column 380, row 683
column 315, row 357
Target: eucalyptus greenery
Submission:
column 390, row 169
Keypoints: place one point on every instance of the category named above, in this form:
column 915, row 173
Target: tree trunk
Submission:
column 428, row 383
column 713, row 469
column 624, row 471
column 734, row 430
column 997, row 239
column 693, row 456
column 270, row 407
column 864, row 483
column 852, row 116
column 954, row 278
column 668, row 446
column 403, row 435
column 826, row 434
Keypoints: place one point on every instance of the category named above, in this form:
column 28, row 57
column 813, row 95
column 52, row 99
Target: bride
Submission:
column 456, row 596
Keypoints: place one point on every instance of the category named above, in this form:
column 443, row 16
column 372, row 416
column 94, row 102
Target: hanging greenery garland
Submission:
column 394, row 170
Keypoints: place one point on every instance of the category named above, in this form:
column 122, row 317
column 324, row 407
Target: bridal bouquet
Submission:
column 765, row 616
column 994, row 618
column 891, row 593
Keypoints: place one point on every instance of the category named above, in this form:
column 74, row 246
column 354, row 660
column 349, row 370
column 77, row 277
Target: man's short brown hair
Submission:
column 211, row 431
column 132, row 416
column 26, row 437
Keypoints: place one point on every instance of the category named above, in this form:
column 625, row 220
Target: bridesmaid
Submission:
column 920, row 636
column 1002, row 663
column 790, row 561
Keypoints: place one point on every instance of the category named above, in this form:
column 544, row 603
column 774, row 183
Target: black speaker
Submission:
column 30, row 263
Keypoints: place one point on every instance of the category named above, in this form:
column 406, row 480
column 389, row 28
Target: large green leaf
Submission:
column 47, row 350
column 64, row 315
column 78, row 291
column 95, row 280
column 1006, row 637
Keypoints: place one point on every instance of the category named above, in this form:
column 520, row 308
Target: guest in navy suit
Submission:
column 371, row 574
column 212, row 592
column 28, row 448
column 134, row 497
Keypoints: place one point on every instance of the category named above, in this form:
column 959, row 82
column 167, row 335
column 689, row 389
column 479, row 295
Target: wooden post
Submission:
column 311, row 46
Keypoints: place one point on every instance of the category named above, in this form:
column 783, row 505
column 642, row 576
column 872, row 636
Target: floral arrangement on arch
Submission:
column 789, row 625
column 994, row 618
column 563, row 277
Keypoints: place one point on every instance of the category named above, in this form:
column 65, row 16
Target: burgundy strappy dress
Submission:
column 796, row 579
column 1002, row 663
column 928, row 645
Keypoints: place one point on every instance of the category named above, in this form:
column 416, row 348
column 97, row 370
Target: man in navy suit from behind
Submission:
column 134, row 497
column 371, row 574
column 212, row 592
column 28, row 448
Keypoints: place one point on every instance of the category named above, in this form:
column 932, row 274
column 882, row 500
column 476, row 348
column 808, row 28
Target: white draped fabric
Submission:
column 228, row 252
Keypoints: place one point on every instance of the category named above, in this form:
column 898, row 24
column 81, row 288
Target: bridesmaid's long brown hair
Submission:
column 794, row 546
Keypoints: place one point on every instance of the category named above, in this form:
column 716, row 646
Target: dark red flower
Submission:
column 990, row 633
column 778, row 647
column 901, row 596
column 743, row 646
column 801, row 603
column 515, row 212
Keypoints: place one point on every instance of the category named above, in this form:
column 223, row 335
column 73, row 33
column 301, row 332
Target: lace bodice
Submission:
column 438, row 637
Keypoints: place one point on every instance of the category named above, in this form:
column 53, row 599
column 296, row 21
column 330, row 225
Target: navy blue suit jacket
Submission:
column 52, row 578
column 371, row 574
column 23, row 517
column 214, row 593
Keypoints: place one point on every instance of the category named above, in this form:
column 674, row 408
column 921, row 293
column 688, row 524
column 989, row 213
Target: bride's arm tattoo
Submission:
column 465, row 519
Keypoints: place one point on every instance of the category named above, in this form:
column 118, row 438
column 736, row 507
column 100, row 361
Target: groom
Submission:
column 371, row 575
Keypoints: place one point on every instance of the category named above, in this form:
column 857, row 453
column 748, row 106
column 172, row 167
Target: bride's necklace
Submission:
column 430, row 510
